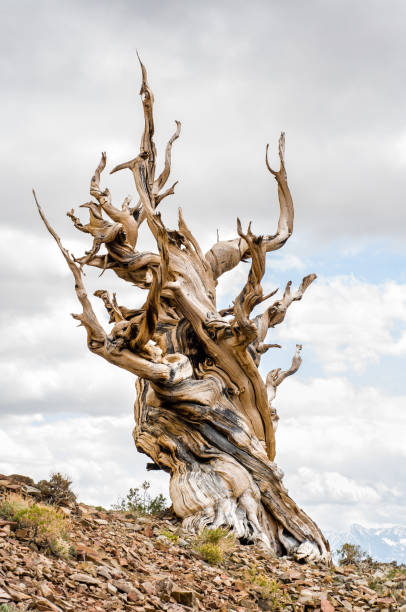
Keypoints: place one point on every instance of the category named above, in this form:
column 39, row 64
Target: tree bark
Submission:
column 202, row 411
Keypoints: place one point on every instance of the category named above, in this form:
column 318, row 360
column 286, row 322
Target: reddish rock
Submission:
column 186, row 598
column 135, row 596
column 148, row 587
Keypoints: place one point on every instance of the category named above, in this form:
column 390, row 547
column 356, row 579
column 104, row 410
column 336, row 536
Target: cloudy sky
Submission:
column 329, row 73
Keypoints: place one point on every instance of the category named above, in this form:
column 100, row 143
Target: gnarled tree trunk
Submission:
column 202, row 412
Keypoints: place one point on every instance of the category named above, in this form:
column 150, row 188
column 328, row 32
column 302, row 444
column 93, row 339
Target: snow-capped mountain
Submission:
column 383, row 544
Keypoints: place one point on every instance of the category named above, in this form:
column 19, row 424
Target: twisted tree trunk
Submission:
column 202, row 412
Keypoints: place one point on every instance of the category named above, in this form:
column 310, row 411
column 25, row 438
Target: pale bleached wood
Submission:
column 202, row 411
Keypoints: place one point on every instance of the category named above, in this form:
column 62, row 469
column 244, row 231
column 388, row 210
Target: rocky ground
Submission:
column 121, row 562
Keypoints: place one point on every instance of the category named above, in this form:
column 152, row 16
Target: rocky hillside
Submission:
column 85, row 558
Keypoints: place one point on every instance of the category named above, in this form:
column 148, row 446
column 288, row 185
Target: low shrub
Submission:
column 170, row 535
column 47, row 524
column 12, row 504
column 8, row 608
column 212, row 544
column 270, row 589
column 215, row 536
column 139, row 501
column 350, row 554
column 396, row 572
column 57, row 491
column 211, row 553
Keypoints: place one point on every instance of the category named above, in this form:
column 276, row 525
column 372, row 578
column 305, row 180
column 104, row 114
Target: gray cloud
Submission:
column 235, row 74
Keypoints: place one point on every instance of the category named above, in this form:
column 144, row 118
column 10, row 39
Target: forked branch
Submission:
column 225, row 255
column 276, row 376
column 252, row 293
column 275, row 314
column 113, row 347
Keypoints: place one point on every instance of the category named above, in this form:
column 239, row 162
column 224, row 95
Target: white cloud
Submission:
column 343, row 445
column 336, row 488
column 97, row 452
column 349, row 323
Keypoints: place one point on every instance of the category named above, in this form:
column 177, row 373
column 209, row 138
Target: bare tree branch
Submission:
column 225, row 255
column 163, row 177
column 275, row 314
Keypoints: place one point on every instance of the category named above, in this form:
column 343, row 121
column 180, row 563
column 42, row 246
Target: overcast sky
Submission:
column 329, row 73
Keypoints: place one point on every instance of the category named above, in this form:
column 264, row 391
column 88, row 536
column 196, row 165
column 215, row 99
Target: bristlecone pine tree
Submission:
column 202, row 411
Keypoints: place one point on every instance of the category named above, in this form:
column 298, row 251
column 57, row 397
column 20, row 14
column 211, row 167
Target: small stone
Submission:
column 43, row 604
column 295, row 575
column 306, row 596
column 378, row 574
column 45, row 590
column 66, row 511
column 183, row 543
column 164, row 586
column 148, row 587
column 148, row 531
column 135, row 596
column 4, row 595
column 133, row 527
column 86, row 578
column 186, row 598
column 326, row 606
column 22, row 533
column 104, row 571
column 123, row 586
column 111, row 588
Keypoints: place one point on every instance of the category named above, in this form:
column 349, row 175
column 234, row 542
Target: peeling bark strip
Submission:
column 202, row 412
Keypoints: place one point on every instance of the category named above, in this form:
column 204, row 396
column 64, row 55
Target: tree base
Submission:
column 220, row 473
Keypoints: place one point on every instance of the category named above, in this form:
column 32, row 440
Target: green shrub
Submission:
column 212, row 553
column 57, row 491
column 170, row 535
column 396, row 572
column 350, row 554
column 100, row 508
column 139, row 501
column 8, row 608
column 376, row 586
column 270, row 589
column 48, row 524
column 214, row 536
column 211, row 544
column 12, row 504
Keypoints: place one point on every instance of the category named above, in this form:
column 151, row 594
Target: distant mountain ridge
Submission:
column 384, row 544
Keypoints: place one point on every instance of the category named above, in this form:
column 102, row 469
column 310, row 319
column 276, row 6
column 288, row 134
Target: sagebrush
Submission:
column 350, row 554
column 46, row 525
column 57, row 490
column 213, row 544
column 139, row 501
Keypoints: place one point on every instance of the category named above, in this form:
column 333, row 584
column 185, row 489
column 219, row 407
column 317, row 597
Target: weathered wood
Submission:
column 202, row 411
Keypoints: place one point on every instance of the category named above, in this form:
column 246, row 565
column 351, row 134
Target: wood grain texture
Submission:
column 202, row 411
